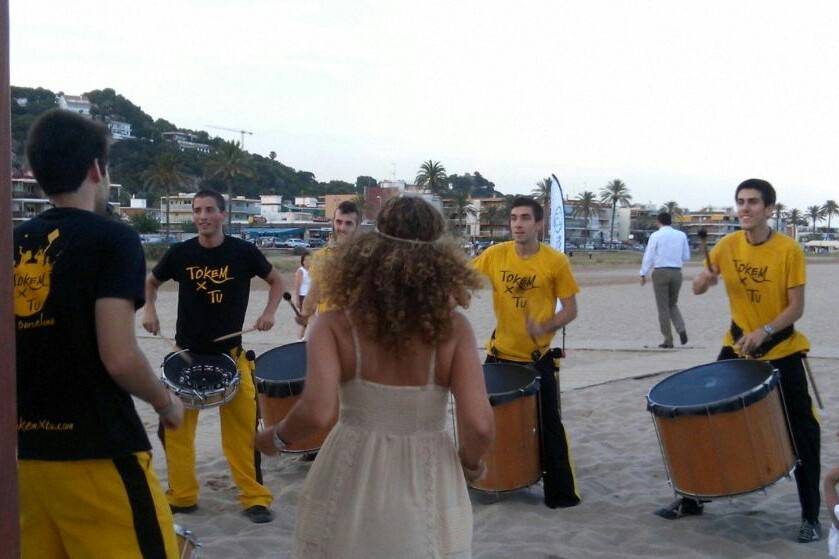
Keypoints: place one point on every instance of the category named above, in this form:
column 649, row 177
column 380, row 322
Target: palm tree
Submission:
column 432, row 176
column 228, row 163
column 361, row 201
column 615, row 193
column 542, row 194
column 779, row 214
column 462, row 206
column 672, row 207
column 586, row 206
column 165, row 174
column 492, row 213
column 795, row 218
column 830, row 209
column 815, row 214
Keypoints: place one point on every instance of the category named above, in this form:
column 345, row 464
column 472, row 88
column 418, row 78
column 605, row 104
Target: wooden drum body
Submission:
column 513, row 460
column 279, row 377
column 722, row 428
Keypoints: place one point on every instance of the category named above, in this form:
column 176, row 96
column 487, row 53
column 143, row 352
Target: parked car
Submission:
column 316, row 243
column 296, row 243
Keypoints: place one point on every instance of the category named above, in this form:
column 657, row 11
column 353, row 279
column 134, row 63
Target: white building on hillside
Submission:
column 75, row 103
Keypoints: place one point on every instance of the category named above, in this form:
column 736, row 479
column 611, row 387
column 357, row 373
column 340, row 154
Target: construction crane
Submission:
column 240, row 132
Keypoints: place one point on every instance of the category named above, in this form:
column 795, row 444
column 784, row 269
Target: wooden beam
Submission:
column 9, row 531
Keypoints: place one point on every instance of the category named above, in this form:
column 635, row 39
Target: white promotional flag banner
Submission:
column 557, row 216
column 557, row 222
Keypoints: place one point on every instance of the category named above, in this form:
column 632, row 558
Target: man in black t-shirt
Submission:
column 87, row 488
column 214, row 274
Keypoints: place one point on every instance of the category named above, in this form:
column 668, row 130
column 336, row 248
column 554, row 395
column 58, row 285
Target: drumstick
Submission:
column 233, row 335
column 806, row 364
column 287, row 297
column 185, row 355
column 703, row 242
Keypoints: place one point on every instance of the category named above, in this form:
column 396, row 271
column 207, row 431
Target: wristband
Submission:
column 769, row 330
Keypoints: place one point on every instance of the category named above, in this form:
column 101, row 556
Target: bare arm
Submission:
column 318, row 405
column 275, row 295
column 475, row 420
column 830, row 497
column 126, row 363
column 793, row 311
column 150, row 320
column 705, row 279
column 557, row 321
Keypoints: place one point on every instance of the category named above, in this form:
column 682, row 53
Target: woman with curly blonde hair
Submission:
column 388, row 481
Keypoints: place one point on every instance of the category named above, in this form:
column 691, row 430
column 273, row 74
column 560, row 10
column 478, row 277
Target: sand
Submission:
column 612, row 362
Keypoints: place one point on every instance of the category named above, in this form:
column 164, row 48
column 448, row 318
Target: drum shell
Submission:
column 276, row 397
column 187, row 543
column 743, row 448
column 513, row 459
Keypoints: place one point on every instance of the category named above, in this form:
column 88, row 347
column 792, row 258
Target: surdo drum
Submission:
column 722, row 428
column 280, row 376
column 200, row 380
column 513, row 459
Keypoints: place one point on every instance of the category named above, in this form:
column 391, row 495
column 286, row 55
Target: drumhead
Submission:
column 281, row 372
column 717, row 387
column 506, row 382
column 203, row 372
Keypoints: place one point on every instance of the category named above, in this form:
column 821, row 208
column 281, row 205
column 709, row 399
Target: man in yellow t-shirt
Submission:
column 527, row 279
column 764, row 276
column 345, row 222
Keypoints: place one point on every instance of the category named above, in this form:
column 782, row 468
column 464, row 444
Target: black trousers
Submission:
column 806, row 432
column 557, row 469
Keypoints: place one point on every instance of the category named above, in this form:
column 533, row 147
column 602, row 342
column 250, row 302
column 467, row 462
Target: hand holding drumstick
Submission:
column 710, row 274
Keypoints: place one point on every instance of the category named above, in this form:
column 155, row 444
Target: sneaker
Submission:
column 665, row 345
column 258, row 514
column 183, row 510
column 679, row 508
column 810, row 531
column 683, row 337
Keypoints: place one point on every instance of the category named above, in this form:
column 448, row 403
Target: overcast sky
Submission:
column 680, row 100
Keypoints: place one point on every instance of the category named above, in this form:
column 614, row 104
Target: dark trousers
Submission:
column 806, row 433
column 557, row 470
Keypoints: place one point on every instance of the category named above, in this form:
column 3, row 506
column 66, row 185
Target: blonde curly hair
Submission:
column 403, row 280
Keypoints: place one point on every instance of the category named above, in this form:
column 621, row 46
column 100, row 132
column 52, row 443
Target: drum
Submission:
column 722, row 428
column 279, row 376
column 200, row 380
column 513, row 460
column 187, row 543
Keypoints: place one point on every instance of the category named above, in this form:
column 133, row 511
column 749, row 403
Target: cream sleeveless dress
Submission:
column 387, row 482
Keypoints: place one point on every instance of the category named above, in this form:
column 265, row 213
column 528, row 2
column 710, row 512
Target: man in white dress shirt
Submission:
column 666, row 250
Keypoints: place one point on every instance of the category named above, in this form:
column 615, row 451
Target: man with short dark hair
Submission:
column 214, row 272
column 667, row 249
column 87, row 487
column 527, row 279
column 345, row 222
column 764, row 275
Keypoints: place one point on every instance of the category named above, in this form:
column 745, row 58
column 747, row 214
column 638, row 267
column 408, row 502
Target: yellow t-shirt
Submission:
column 757, row 279
column 522, row 288
column 317, row 262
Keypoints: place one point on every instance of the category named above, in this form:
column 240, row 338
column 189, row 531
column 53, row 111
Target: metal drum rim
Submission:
column 717, row 406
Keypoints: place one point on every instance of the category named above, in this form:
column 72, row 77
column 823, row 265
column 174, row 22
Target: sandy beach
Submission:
column 612, row 362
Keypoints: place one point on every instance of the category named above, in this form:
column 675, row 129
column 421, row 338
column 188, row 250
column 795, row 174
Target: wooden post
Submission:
column 9, row 531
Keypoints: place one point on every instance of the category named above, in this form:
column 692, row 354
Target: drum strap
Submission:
column 765, row 347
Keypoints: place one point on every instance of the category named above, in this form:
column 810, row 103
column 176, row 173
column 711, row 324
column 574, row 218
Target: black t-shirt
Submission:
column 69, row 407
column 213, row 289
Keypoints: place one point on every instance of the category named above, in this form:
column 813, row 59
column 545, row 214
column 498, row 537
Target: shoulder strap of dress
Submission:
column 356, row 345
column 432, row 367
